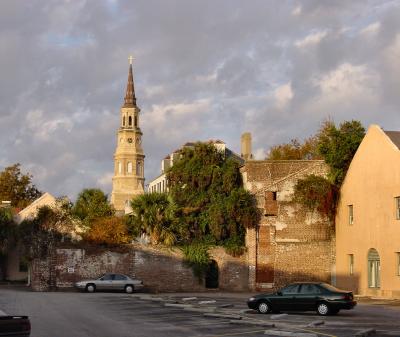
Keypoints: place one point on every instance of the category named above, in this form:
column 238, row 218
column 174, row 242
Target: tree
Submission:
column 207, row 190
column 92, row 204
column 7, row 226
column 294, row 150
column 40, row 235
column 338, row 147
column 17, row 187
column 154, row 214
column 108, row 231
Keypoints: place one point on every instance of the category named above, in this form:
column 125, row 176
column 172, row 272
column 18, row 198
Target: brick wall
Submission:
column 160, row 269
column 291, row 243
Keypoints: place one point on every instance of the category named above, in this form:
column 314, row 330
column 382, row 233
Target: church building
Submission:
column 128, row 179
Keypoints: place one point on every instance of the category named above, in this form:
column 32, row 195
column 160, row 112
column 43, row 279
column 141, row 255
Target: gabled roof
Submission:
column 394, row 137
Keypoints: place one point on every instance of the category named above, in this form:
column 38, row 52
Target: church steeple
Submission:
column 128, row 179
column 130, row 99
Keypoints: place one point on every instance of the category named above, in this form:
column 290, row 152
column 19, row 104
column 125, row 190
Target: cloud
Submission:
column 283, row 95
column 371, row 29
column 201, row 71
column 311, row 40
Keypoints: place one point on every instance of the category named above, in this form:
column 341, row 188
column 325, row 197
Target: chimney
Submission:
column 245, row 146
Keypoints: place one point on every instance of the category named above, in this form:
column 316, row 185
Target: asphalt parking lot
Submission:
column 74, row 314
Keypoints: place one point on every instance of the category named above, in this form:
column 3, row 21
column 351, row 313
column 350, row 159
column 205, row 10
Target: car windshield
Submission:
column 329, row 287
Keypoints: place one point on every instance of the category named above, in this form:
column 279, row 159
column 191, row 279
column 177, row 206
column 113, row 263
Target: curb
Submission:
column 315, row 323
column 248, row 322
column 177, row 305
column 202, row 310
column 233, row 317
column 279, row 316
column 288, row 333
column 366, row 332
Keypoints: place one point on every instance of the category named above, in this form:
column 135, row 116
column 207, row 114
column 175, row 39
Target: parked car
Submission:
column 306, row 296
column 16, row 326
column 110, row 282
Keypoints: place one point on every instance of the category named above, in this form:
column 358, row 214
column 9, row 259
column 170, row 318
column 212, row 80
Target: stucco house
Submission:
column 290, row 243
column 368, row 218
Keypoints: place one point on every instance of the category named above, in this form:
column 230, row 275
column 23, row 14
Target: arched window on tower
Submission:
column 135, row 121
column 129, row 167
column 130, row 120
column 138, row 168
column 123, row 121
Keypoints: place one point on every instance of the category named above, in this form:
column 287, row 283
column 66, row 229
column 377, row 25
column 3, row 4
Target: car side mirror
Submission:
column 279, row 293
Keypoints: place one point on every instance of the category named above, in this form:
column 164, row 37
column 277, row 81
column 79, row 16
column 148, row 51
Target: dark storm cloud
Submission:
column 203, row 69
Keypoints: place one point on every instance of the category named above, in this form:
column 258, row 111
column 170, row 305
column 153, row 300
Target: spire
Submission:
column 130, row 99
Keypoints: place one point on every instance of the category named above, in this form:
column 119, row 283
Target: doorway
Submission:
column 212, row 275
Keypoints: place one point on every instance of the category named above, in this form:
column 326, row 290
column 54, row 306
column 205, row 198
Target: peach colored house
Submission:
column 368, row 218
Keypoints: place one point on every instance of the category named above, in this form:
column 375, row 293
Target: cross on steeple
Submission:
column 130, row 99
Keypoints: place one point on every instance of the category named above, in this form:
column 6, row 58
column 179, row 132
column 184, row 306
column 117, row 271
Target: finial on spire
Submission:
column 130, row 99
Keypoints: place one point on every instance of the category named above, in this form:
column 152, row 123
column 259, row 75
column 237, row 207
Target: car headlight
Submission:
column 252, row 299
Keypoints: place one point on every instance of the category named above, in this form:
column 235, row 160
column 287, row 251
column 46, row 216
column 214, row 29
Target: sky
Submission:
column 204, row 69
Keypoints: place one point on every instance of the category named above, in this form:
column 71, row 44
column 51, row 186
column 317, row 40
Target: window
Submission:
column 130, row 120
column 135, row 121
column 374, row 268
column 309, row 289
column 119, row 167
column 397, row 199
column 138, row 169
column 398, row 263
column 129, row 167
column 119, row 277
column 351, row 264
column 107, row 277
column 292, row 289
column 351, row 215
column 123, row 121
column 270, row 203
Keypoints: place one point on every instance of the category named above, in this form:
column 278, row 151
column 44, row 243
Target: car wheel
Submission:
column 90, row 288
column 129, row 289
column 323, row 309
column 263, row 307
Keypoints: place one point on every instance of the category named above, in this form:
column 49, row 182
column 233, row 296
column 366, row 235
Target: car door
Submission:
column 308, row 297
column 119, row 282
column 286, row 299
column 105, row 282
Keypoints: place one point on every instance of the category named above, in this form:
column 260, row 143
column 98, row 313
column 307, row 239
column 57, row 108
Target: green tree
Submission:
column 92, row 204
column 207, row 190
column 17, row 187
column 338, row 145
column 40, row 235
column 7, row 227
column 154, row 214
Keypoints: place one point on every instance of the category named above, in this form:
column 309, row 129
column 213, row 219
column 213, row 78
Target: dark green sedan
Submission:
column 306, row 296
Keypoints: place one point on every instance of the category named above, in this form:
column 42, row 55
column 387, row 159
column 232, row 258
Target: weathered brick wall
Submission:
column 40, row 276
column 160, row 269
column 291, row 243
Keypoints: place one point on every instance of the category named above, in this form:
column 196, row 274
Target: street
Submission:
column 74, row 314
